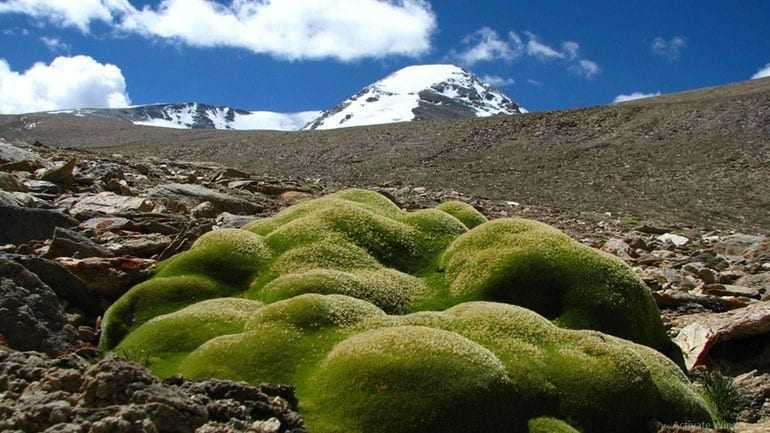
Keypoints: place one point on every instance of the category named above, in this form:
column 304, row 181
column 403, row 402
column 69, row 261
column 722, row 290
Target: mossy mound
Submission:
column 360, row 244
column 370, row 310
column 478, row 366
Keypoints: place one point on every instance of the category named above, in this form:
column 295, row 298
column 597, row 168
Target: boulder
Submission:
column 617, row 247
column 9, row 182
column 68, row 243
column 759, row 252
column 67, row 286
column 42, row 186
column 63, row 174
column 106, row 224
column 226, row 220
column 737, row 244
column 109, row 278
column 109, row 203
column 731, row 290
column 759, row 282
column 676, row 240
column 704, row 331
column 10, row 153
column 137, row 245
column 204, row 210
column 192, row 195
column 31, row 317
column 23, row 224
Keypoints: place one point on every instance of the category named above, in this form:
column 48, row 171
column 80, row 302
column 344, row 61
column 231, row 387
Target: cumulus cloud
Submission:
column 762, row 73
column 54, row 44
column 669, row 48
column 71, row 13
column 486, row 45
column 497, row 81
column 634, row 96
column 286, row 29
column 67, row 82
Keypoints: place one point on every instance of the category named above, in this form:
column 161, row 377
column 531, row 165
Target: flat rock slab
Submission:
column 701, row 332
column 11, row 153
column 109, row 203
column 191, row 195
column 24, row 224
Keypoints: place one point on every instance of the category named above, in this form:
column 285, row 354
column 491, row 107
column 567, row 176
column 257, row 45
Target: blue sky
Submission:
column 292, row 55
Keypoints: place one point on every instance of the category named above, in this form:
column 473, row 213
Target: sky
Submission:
column 300, row 55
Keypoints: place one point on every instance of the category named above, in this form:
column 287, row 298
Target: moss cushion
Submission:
column 452, row 322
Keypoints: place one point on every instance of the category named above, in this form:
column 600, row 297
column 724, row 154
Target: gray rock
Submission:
column 25, row 165
column 204, row 210
column 71, row 395
column 192, row 195
column 67, row 243
column 42, row 186
column 737, row 244
column 109, row 277
column 109, row 203
column 105, row 224
column 226, row 220
column 617, row 247
column 759, row 282
column 11, row 153
column 676, row 240
column 731, row 290
column 21, row 199
column 10, row 183
column 63, row 174
column 138, row 245
column 67, row 286
column 24, row 224
column 31, row 317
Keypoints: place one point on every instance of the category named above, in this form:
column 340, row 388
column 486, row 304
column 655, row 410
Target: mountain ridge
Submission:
column 417, row 92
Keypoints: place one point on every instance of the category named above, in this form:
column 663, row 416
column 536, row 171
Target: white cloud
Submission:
column 68, row 82
column 541, row 51
column 671, row 48
column 16, row 31
column 570, row 49
column 72, row 13
column 287, row 29
column 534, row 82
column 634, row 96
column 586, row 68
column 497, row 81
column 54, row 44
column 486, row 45
column 762, row 73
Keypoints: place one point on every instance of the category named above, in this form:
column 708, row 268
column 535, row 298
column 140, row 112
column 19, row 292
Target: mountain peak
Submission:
column 419, row 92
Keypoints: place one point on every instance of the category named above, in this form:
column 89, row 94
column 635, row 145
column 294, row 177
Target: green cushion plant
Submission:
column 452, row 322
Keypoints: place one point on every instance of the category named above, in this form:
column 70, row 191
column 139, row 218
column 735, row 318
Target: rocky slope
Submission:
column 80, row 228
column 422, row 92
column 700, row 158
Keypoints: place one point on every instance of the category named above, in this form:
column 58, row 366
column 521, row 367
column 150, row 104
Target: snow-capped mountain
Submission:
column 419, row 92
column 193, row 115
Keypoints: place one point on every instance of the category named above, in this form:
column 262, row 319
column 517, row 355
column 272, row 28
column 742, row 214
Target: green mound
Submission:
column 343, row 295
column 479, row 366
